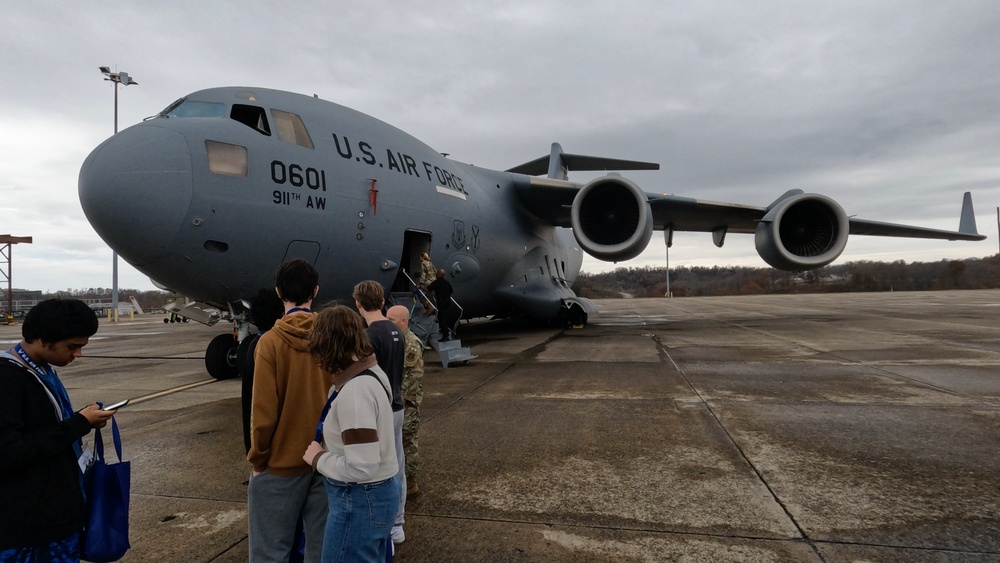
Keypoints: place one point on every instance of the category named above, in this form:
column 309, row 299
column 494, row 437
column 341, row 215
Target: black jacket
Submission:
column 442, row 290
column 40, row 496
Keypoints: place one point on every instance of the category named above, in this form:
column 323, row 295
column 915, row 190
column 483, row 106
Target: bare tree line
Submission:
column 971, row 273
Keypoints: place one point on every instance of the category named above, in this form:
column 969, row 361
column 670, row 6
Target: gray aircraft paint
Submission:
column 217, row 237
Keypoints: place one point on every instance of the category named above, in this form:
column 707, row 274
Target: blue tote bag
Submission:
column 106, row 487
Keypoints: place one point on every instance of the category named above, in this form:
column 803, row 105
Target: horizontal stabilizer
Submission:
column 557, row 163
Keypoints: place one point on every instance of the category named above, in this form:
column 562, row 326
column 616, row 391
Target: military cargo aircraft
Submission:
column 226, row 183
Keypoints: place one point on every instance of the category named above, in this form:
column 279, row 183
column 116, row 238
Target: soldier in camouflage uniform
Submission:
column 413, row 394
column 428, row 273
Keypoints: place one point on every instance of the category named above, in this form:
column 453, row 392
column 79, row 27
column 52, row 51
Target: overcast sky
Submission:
column 890, row 108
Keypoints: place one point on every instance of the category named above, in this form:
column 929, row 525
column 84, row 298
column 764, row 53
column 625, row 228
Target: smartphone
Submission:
column 114, row 406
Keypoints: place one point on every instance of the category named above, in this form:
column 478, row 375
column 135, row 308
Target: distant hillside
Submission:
column 973, row 273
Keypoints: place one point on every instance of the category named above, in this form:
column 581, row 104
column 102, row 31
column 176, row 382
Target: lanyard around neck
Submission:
column 46, row 371
column 294, row 309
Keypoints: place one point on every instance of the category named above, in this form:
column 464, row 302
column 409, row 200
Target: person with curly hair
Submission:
column 357, row 452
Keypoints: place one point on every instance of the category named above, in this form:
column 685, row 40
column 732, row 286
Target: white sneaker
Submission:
column 397, row 534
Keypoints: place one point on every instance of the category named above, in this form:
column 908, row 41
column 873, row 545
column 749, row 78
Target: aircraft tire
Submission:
column 220, row 357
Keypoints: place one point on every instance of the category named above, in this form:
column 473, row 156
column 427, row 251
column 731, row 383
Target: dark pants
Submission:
column 444, row 321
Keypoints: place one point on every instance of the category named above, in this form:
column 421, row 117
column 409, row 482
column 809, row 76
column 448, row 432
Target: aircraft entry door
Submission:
column 415, row 243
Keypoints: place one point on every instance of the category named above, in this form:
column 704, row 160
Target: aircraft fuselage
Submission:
column 227, row 183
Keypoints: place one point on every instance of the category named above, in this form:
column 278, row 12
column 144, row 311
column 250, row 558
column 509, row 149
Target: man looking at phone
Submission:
column 40, row 436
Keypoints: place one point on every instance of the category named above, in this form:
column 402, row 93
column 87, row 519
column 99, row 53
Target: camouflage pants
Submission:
column 411, row 422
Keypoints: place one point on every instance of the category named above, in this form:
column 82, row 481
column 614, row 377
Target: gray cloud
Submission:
column 888, row 107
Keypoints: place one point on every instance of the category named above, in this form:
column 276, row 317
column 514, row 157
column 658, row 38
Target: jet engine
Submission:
column 802, row 232
column 611, row 219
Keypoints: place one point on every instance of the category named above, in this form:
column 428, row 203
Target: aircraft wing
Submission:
column 966, row 227
column 552, row 201
column 879, row 229
column 609, row 212
column 687, row 214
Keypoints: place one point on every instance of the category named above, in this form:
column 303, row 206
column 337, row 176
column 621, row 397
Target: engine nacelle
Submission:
column 611, row 219
column 802, row 232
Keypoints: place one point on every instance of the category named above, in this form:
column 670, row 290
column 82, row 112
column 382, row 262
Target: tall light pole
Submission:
column 124, row 79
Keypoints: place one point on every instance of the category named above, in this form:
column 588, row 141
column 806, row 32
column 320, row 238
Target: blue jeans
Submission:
column 360, row 520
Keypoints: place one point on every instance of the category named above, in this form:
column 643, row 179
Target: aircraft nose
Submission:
column 135, row 189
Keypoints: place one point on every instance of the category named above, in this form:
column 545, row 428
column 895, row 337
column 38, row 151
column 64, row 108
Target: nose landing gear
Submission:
column 220, row 357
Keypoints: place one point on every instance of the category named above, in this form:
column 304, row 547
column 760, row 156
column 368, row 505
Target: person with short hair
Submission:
column 358, row 453
column 413, row 395
column 442, row 290
column 41, row 495
column 289, row 390
column 387, row 340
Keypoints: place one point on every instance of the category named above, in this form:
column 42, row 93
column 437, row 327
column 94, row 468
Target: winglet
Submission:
column 967, row 224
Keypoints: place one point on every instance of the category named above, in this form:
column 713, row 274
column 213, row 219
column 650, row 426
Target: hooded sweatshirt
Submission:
column 289, row 391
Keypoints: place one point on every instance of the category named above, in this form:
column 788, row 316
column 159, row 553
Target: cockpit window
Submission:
column 191, row 108
column 291, row 129
column 224, row 158
column 251, row 116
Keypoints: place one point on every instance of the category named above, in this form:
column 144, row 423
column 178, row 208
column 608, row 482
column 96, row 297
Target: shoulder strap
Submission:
column 322, row 416
column 10, row 362
column 326, row 407
column 372, row 373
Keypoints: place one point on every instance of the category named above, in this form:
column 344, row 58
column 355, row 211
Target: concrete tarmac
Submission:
column 838, row 427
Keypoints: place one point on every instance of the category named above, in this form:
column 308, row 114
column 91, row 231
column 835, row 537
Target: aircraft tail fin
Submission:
column 558, row 164
column 967, row 224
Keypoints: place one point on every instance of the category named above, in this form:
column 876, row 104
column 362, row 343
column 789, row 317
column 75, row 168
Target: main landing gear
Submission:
column 574, row 316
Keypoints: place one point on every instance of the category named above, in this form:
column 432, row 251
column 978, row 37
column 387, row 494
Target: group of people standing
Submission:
column 342, row 482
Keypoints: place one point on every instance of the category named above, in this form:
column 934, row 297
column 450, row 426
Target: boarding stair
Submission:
column 424, row 323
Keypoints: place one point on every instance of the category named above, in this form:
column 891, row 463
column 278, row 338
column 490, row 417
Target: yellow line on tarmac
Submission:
column 171, row 391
